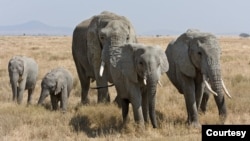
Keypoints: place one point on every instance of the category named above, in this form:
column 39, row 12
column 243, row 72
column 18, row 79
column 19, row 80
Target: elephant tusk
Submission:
column 159, row 82
column 102, row 68
column 145, row 81
column 209, row 88
column 225, row 89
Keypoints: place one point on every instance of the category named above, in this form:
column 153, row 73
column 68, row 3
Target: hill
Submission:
column 34, row 28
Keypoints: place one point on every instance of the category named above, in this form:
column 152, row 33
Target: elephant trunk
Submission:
column 110, row 49
column 217, row 86
column 151, row 92
column 14, row 84
column 43, row 95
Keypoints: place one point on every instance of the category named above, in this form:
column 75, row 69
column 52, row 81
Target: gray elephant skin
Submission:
column 194, row 61
column 58, row 84
column 136, row 70
column 23, row 72
column 93, row 37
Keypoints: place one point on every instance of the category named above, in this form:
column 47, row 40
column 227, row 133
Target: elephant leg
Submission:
column 125, row 109
column 138, row 115
column 136, row 101
column 204, row 101
column 189, row 95
column 20, row 91
column 30, row 94
column 64, row 101
column 85, row 83
column 103, row 94
column 54, row 102
column 191, row 109
column 118, row 101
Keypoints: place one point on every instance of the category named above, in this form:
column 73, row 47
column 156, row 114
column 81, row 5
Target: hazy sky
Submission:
column 218, row 16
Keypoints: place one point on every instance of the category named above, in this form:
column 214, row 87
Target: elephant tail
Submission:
column 100, row 87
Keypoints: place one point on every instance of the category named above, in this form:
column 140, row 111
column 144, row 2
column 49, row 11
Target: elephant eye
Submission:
column 199, row 53
column 102, row 37
column 52, row 87
column 127, row 37
column 141, row 63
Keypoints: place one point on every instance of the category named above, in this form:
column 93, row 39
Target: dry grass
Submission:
column 104, row 122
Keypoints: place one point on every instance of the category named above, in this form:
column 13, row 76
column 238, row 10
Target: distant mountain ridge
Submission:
column 39, row 28
column 34, row 28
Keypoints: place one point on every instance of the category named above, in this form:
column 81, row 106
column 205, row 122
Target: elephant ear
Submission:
column 122, row 58
column 163, row 60
column 93, row 43
column 183, row 61
column 132, row 33
column 20, row 66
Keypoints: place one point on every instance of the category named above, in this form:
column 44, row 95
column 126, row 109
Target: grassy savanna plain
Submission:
column 104, row 122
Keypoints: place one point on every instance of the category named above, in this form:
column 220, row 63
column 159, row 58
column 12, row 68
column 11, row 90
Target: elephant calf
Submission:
column 23, row 72
column 58, row 83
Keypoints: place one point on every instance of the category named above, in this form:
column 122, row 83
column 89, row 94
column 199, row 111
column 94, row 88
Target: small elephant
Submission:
column 136, row 70
column 194, row 63
column 23, row 72
column 58, row 83
column 93, row 37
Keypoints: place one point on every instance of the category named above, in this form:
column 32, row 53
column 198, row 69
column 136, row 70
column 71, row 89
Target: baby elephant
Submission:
column 58, row 83
column 23, row 73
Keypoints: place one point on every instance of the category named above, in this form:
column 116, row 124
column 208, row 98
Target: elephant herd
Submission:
column 105, row 50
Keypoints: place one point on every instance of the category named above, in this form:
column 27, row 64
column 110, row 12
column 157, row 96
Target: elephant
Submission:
column 136, row 70
column 194, row 64
column 23, row 73
column 57, row 83
column 91, row 38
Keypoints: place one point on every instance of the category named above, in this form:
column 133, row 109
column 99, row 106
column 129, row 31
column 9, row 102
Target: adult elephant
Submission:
column 93, row 37
column 194, row 61
column 23, row 72
column 57, row 83
column 136, row 70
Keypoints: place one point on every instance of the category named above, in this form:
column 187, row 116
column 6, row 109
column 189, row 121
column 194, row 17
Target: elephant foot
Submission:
column 136, row 127
column 117, row 102
column 203, row 109
column 63, row 111
column 104, row 99
column 28, row 104
column 194, row 124
column 202, row 112
column 140, row 128
column 19, row 101
column 85, row 101
column 223, row 119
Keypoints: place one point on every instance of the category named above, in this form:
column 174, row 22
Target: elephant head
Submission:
column 107, row 31
column 52, row 84
column 16, row 71
column 140, row 64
